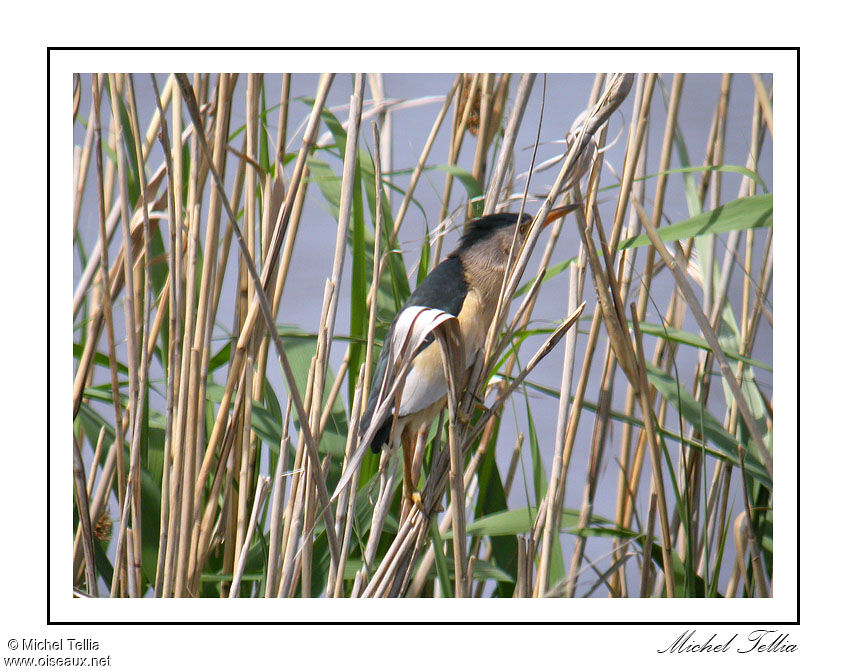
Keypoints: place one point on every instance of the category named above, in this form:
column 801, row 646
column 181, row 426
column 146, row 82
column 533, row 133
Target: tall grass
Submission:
column 195, row 474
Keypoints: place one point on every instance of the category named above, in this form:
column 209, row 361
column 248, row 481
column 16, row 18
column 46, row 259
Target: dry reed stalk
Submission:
column 173, row 286
column 647, row 546
column 331, row 397
column 130, row 311
column 293, row 523
column 413, row 181
column 311, row 447
column 450, row 340
column 568, row 423
column 258, row 503
column 304, row 550
column 226, row 520
column 610, row 301
column 260, row 304
column 626, row 270
column 187, row 465
column 752, row 544
column 135, row 448
column 595, row 459
column 204, row 320
column 277, row 499
column 640, row 115
column 655, row 458
column 380, row 512
column 521, row 580
column 112, row 219
column 294, row 505
column 627, row 489
column 461, row 116
column 722, row 472
column 424, row 567
column 106, row 308
column 181, row 480
column 522, row 315
column 713, row 301
column 504, row 156
column 81, row 496
column 541, row 353
column 274, row 203
column 764, row 101
column 689, row 463
column 224, row 478
column 549, row 514
column 486, row 99
column 251, row 224
column 383, row 147
column 611, row 99
column 244, row 458
column 711, row 516
column 346, row 508
column 89, row 487
column 282, row 123
column 81, row 167
column 717, row 151
column 365, row 374
column 330, row 307
column 507, row 488
column 739, row 569
column 112, row 167
column 709, row 159
column 97, row 501
column 709, row 334
column 377, row 261
column 396, row 558
column 242, row 287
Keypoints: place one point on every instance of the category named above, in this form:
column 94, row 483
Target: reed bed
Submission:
column 211, row 428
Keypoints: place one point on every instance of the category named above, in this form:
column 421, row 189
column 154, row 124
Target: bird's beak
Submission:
column 558, row 213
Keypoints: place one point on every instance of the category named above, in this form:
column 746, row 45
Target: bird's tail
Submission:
column 382, row 435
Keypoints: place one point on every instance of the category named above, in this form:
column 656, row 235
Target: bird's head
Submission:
column 487, row 240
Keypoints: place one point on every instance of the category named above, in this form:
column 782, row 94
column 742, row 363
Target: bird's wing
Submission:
column 410, row 330
column 377, row 384
column 445, row 289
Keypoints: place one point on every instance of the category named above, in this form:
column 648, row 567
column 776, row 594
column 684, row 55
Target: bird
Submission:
column 466, row 285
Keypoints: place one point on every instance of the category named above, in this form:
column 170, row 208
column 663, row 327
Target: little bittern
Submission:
column 466, row 285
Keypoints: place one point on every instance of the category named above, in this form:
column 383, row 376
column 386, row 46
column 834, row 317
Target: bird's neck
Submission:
column 485, row 277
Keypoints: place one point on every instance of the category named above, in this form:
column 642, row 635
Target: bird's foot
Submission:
column 462, row 417
column 411, row 501
column 415, row 499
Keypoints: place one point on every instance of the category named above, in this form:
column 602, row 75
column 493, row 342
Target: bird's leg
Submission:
column 463, row 418
column 479, row 405
column 410, row 491
column 420, row 449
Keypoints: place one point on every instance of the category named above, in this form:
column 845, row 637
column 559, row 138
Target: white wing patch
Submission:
column 425, row 383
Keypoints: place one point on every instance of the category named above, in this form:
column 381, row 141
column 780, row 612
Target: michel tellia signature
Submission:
column 757, row 641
